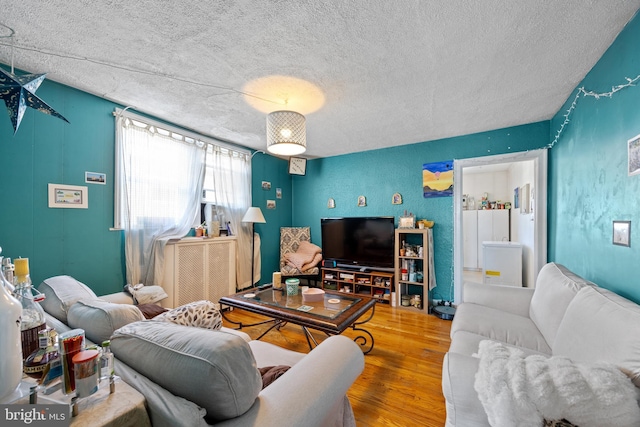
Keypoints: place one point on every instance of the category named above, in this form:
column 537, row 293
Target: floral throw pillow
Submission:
column 558, row 423
column 200, row 314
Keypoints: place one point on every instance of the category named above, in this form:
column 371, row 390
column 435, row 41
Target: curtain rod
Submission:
column 230, row 145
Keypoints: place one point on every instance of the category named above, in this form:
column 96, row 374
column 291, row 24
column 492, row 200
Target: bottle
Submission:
column 37, row 363
column 33, row 318
column 10, row 347
column 7, row 269
column 55, row 363
column 106, row 360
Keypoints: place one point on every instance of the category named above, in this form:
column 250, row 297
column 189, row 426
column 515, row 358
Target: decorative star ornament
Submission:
column 19, row 92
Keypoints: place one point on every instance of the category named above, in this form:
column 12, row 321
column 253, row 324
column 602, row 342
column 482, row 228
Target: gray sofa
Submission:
column 564, row 315
column 175, row 366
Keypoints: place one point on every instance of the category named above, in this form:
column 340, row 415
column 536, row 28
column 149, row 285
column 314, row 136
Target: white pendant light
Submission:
column 286, row 133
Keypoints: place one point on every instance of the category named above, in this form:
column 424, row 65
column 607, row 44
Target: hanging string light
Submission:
column 583, row 92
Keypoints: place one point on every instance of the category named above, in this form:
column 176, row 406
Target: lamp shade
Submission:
column 286, row 133
column 254, row 215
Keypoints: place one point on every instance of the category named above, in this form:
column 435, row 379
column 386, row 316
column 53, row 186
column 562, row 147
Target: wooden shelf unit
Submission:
column 413, row 237
column 376, row 284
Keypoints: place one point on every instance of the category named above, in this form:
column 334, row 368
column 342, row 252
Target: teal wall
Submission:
column 274, row 170
column 47, row 150
column 588, row 181
column 378, row 174
column 588, row 184
column 78, row 242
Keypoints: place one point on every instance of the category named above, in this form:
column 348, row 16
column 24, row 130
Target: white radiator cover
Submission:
column 197, row 269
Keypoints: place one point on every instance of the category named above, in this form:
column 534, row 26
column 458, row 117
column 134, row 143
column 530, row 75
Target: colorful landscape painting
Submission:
column 437, row 179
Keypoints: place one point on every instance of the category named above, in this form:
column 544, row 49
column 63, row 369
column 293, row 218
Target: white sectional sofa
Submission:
column 197, row 377
column 564, row 316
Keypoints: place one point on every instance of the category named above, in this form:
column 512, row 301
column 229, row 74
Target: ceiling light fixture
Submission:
column 286, row 133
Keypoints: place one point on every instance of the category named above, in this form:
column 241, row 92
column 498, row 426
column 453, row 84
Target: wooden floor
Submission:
column 401, row 382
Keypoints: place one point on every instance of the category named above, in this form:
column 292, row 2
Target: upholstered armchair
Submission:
column 298, row 256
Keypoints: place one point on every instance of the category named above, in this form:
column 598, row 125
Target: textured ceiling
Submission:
column 367, row 74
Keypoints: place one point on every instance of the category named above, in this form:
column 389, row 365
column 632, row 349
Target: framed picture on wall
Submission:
column 95, row 178
column 633, row 147
column 437, row 179
column 524, row 199
column 68, row 196
column 622, row 233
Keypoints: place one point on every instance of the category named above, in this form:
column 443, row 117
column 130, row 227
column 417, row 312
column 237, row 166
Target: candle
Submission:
column 21, row 266
column 276, row 280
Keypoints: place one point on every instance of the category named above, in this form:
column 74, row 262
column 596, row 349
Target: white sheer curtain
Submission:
column 158, row 183
column 232, row 180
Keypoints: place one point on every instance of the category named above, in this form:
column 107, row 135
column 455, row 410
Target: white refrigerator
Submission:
column 502, row 263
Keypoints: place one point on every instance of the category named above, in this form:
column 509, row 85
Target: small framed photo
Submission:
column 622, row 233
column 407, row 222
column 271, row 204
column 633, row 147
column 278, row 193
column 266, row 185
column 95, row 178
column 68, row 196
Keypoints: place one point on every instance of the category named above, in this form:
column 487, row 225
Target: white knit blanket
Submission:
column 518, row 391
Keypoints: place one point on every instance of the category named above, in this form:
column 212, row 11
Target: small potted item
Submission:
column 87, row 372
column 292, row 286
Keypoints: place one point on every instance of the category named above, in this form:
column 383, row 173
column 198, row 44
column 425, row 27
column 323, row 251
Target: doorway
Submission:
column 536, row 217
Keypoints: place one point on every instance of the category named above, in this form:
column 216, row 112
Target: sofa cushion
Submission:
column 467, row 343
column 555, row 288
column 100, row 318
column 213, row 369
column 462, row 403
column 267, row 354
column 601, row 326
column 498, row 325
column 61, row 293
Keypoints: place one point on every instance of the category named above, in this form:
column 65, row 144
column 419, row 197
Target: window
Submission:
column 162, row 175
column 153, row 163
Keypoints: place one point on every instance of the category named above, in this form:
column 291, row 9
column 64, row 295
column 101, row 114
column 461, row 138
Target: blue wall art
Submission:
column 437, row 179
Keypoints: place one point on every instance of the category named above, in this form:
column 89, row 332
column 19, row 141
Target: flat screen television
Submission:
column 359, row 242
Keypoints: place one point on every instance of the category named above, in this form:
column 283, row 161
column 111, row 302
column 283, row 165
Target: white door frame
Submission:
column 540, row 210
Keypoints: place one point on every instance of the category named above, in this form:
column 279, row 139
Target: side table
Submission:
column 124, row 408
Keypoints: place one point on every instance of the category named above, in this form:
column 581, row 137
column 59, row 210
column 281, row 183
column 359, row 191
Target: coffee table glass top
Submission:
column 330, row 307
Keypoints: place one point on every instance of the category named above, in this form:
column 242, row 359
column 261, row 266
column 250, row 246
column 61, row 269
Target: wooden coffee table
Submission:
column 333, row 315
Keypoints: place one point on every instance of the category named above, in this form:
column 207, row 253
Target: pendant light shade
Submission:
column 286, row 133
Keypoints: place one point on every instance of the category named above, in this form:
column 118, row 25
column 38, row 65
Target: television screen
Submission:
column 359, row 241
